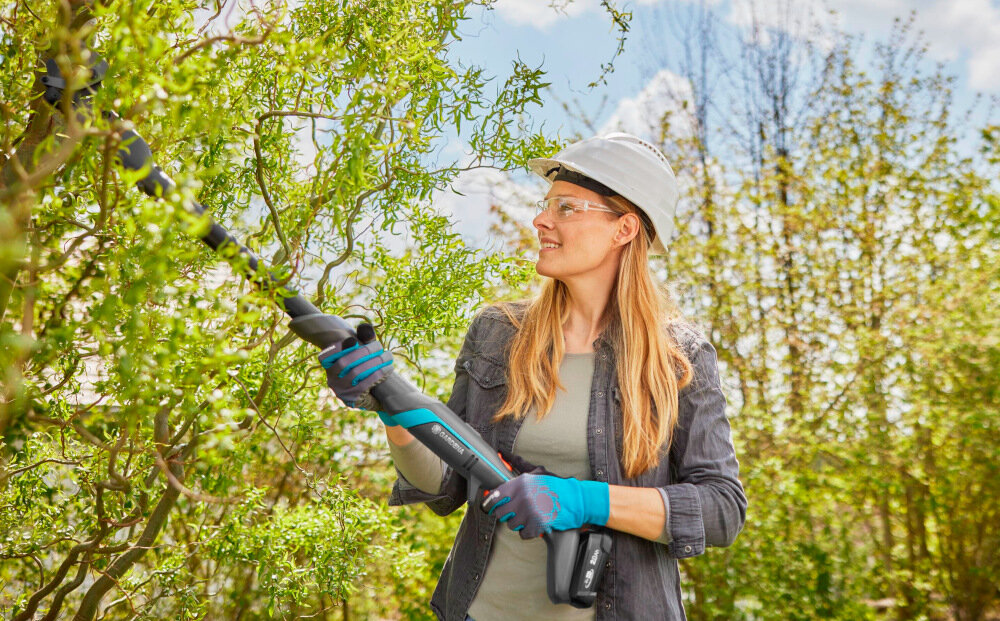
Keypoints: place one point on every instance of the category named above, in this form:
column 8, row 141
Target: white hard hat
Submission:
column 630, row 167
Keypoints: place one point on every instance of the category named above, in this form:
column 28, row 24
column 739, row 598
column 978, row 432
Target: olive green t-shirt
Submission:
column 514, row 584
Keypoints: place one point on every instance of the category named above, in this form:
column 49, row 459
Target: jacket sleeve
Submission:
column 706, row 503
column 452, row 493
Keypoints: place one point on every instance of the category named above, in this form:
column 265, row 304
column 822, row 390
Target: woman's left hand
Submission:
column 535, row 504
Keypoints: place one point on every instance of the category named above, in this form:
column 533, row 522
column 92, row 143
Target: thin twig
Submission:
column 27, row 6
column 230, row 37
column 259, row 175
column 273, row 430
column 13, row 473
column 300, row 113
column 219, row 5
column 190, row 493
column 349, row 234
column 64, row 380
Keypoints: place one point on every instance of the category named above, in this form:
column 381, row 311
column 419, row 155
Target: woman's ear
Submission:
column 628, row 228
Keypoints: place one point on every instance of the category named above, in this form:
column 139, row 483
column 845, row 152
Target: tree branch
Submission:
column 230, row 37
column 156, row 522
column 16, row 182
column 259, row 175
column 40, row 594
column 10, row 475
column 66, row 589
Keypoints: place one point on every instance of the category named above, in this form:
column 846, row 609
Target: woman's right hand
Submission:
column 535, row 504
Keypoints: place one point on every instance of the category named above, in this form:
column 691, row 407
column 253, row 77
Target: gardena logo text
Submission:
column 439, row 431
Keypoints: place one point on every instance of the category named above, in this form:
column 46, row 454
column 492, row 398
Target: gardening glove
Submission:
column 354, row 366
column 535, row 504
column 519, row 465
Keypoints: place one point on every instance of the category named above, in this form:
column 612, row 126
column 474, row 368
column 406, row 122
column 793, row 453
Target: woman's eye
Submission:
column 564, row 207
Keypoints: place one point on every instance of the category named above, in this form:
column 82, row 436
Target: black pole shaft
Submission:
column 136, row 155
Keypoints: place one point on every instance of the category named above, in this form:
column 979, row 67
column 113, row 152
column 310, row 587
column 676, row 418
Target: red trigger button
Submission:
column 509, row 467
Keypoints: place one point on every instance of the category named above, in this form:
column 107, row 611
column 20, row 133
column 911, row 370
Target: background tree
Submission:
column 837, row 207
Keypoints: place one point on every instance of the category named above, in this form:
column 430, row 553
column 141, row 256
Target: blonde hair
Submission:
column 651, row 366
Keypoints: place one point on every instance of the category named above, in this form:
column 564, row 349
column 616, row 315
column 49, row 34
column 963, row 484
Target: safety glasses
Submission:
column 563, row 208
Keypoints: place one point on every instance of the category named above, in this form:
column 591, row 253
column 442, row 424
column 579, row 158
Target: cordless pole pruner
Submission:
column 576, row 558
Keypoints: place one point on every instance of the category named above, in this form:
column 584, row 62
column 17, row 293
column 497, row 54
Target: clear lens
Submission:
column 560, row 207
column 566, row 207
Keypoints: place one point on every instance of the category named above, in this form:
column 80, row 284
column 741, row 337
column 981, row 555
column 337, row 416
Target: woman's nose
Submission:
column 543, row 220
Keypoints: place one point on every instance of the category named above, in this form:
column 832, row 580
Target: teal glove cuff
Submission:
column 597, row 502
column 387, row 419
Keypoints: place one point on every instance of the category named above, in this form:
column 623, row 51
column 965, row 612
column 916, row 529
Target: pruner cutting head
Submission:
column 55, row 83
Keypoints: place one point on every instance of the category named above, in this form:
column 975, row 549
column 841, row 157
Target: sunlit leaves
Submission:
column 313, row 131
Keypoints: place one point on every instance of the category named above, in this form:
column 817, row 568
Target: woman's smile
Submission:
column 548, row 245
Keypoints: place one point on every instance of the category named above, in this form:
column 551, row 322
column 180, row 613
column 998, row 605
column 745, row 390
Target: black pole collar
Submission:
column 55, row 83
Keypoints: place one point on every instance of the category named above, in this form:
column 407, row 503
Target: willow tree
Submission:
column 166, row 450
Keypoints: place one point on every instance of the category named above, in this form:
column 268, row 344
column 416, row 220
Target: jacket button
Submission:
column 607, row 605
column 486, row 537
column 687, row 549
column 476, row 577
column 599, row 430
column 600, row 473
column 608, row 565
column 604, row 356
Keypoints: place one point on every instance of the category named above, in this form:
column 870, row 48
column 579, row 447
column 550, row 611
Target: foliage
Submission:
column 166, row 450
column 838, row 240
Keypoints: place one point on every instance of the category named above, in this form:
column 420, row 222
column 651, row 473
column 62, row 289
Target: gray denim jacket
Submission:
column 707, row 506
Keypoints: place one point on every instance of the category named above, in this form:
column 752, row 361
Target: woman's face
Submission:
column 582, row 244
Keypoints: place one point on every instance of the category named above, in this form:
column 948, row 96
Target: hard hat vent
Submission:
column 635, row 139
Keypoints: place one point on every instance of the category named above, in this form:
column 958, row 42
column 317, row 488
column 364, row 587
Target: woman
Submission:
column 598, row 381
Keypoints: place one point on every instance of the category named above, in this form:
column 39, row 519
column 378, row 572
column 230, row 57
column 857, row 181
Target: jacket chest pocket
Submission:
column 616, row 420
column 487, row 390
column 486, row 372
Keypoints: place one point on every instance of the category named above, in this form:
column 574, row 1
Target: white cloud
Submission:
column 956, row 30
column 958, row 27
column 543, row 13
column 643, row 114
column 802, row 19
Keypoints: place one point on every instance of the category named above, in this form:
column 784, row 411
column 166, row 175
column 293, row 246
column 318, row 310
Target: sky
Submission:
column 572, row 41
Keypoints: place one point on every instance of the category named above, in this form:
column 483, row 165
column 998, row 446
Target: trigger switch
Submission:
column 366, row 333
